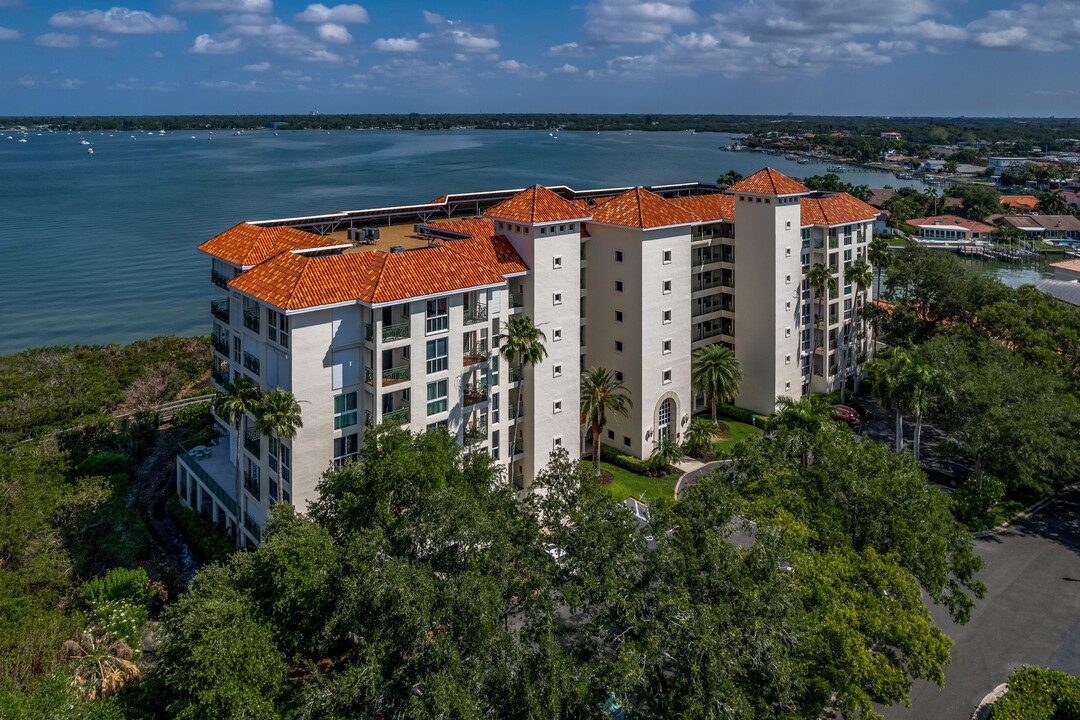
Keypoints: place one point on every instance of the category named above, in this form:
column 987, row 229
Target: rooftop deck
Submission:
column 389, row 236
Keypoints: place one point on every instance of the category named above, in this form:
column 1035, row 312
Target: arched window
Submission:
column 664, row 423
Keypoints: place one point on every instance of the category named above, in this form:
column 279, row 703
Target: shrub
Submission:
column 626, row 462
column 207, row 539
column 104, row 464
column 117, row 584
column 970, row 503
column 123, row 618
column 193, row 414
column 1036, row 694
column 736, row 413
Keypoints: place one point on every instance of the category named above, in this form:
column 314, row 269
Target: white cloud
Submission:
column 319, row 13
column 566, row 68
column 157, row 54
column 70, row 84
column 396, row 45
column 1050, row 26
column 118, row 20
column 333, row 33
column 613, row 22
column 9, row 34
column 433, row 18
column 356, row 82
column 457, row 34
column 520, row 69
column 57, row 40
column 259, row 6
column 257, row 67
column 101, row 43
column 316, row 55
column 930, row 30
column 207, row 45
column 570, row 49
column 27, row 82
column 230, row 85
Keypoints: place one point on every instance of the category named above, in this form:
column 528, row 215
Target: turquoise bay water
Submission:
column 101, row 248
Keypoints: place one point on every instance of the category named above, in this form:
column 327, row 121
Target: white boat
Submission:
column 84, row 142
column 89, row 151
column 22, row 139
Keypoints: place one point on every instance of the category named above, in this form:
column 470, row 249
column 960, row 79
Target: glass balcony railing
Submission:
column 253, row 528
column 251, row 320
column 208, row 480
column 220, row 343
column 476, row 314
column 517, row 300
column 515, row 374
column 220, row 310
column 219, row 377
column 218, row 279
column 399, row 417
column 252, row 485
column 251, row 362
column 833, row 318
column 252, row 442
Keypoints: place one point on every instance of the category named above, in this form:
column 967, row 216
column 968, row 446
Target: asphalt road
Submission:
column 1031, row 613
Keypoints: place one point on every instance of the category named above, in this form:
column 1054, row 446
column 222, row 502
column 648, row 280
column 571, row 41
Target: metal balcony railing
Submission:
column 476, row 314
column 218, row 279
column 476, row 432
column 252, row 485
column 399, row 417
column 399, row 331
column 389, row 376
column 519, row 480
column 253, row 528
column 251, row 362
column 252, row 442
column 476, row 393
column 220, row 310
column 251, row 320
column 475, row 353
column 220, row 343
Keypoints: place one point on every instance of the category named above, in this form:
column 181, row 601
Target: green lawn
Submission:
column 626, row 484
column 737, row 431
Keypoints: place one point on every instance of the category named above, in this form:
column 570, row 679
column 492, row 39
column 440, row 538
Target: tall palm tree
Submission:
column 821, row 279
column 715, row 372
column 857, row 274
column 235, row 402
column 802, row 420
column 880, row 256
column 522, row 342
column 890, row 385
column 920, row 393
column 601, row 394
column 278, row 416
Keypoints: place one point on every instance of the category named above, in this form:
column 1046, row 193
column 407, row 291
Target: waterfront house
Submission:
column 950, row 228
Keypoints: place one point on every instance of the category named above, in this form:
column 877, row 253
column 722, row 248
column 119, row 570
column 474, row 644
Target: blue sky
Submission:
column 880, row 57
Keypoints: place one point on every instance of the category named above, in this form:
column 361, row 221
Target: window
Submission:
column 618, row 316
column 436, row 396
column 272, row 455
column 787, row 332
column 436, row 356
column 667, row 376
column 787, row 251
column 557, row 442
column 557, row 371
column 556, row 335
column 610, row 434
column 251, row 478
column 667, row 346
column 556, row 407
column 667, row 287
column 277, row 327
column 237, row 348
column 344, row 410
column 345, row 448
column 618, row 346
column 556, row 299
column 286, row 466
column 618, row 256
column 619, row 377
column 787, row 226
column 626, row 441
column 438, row 318
column 787, row 359
column 787, row 305
column 787, row 279
column 618, row 286
column 667, row 257
column 556, row 262
column 667, row 316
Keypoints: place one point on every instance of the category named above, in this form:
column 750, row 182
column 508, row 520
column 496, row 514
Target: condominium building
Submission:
column 394, row 314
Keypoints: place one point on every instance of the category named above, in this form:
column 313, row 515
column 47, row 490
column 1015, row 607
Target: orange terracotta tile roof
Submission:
column 1028, row 201
column 483, row 246
column 291, row 281
column 1073, row 264
column 640, row 208
column 602, row 199
column 246, row 244
column 835, row 210
column 947, row 221
column 536, row 205
column 708, row 207
column 768, row 182
column 438, row 201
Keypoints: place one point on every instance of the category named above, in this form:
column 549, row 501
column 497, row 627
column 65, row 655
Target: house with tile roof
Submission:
column 1057, row 228
column 951, row 228
column 404, row 329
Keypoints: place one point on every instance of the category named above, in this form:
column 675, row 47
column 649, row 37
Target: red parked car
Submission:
column 845, row 414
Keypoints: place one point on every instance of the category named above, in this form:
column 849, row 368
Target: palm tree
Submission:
column 920, row 385
column 716, row 373
column 278, row 416
column 857, row 274
column 880, row 255
column 699, row 436
column 890, row 385
column 601, row 394
column 521, row 342
column 235, row 402
column 821, row 279
column 803, row 420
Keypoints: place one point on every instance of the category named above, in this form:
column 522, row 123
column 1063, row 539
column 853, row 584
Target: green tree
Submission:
column 859, row 276
column 278, row 416
column 830, row 182
column 729, row 178
column 880, row 255
column 1053, row 204
column 823, row 282
column 950, row 167
column 978, row 201
column 522, row 343
column 890, row 385
column 797, row 422
column 715, row 372
column 238, row 399
column 602, row 395
column 699, row 437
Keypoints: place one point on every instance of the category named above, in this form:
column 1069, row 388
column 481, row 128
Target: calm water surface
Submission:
column 101, row 248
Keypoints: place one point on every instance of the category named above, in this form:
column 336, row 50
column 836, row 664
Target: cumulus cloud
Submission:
column 333, row 33
column 614, row 22
column 396, row 45
column 520, row 69
column 71, row 84
column 566, row 68
column 272, row 34
column 157, row 54
column 259, row 6
column 570, row 49
column 9, row 34
column 343, row 14
column 230, row 85
column 206, row 45
column 57, row 40
column 120, row 20
column 457, row 35
column 257, row 67
column 26, row 82
column 101, row 43
column 930, row 30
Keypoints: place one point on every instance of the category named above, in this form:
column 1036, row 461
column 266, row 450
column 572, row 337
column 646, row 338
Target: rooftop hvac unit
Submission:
column 351, row 234
column 397, row 248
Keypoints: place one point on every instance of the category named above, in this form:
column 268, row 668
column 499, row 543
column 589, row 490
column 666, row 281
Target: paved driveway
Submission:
column 1031, row 613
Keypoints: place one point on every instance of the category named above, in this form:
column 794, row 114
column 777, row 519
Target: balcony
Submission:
column 252, row 527
column 517, row 300
column 252, row 485
column 476, row 393
column 519, row 480
column 219, row 377
column 220, row 310
column 217, row 459
column 833, row 317
column 398, row 417
column 475, row 353
column 251, row 320
column 395, row 332
column 251, row 362
column 515, row 374
column 477, row 314
column 252, row 442
column 476, row 432
column 390, row 376
column 218, row 279
column 220, row 343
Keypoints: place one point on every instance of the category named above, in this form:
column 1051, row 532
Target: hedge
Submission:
column 1037, row 694
column 626, row 462
column 736, row 413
